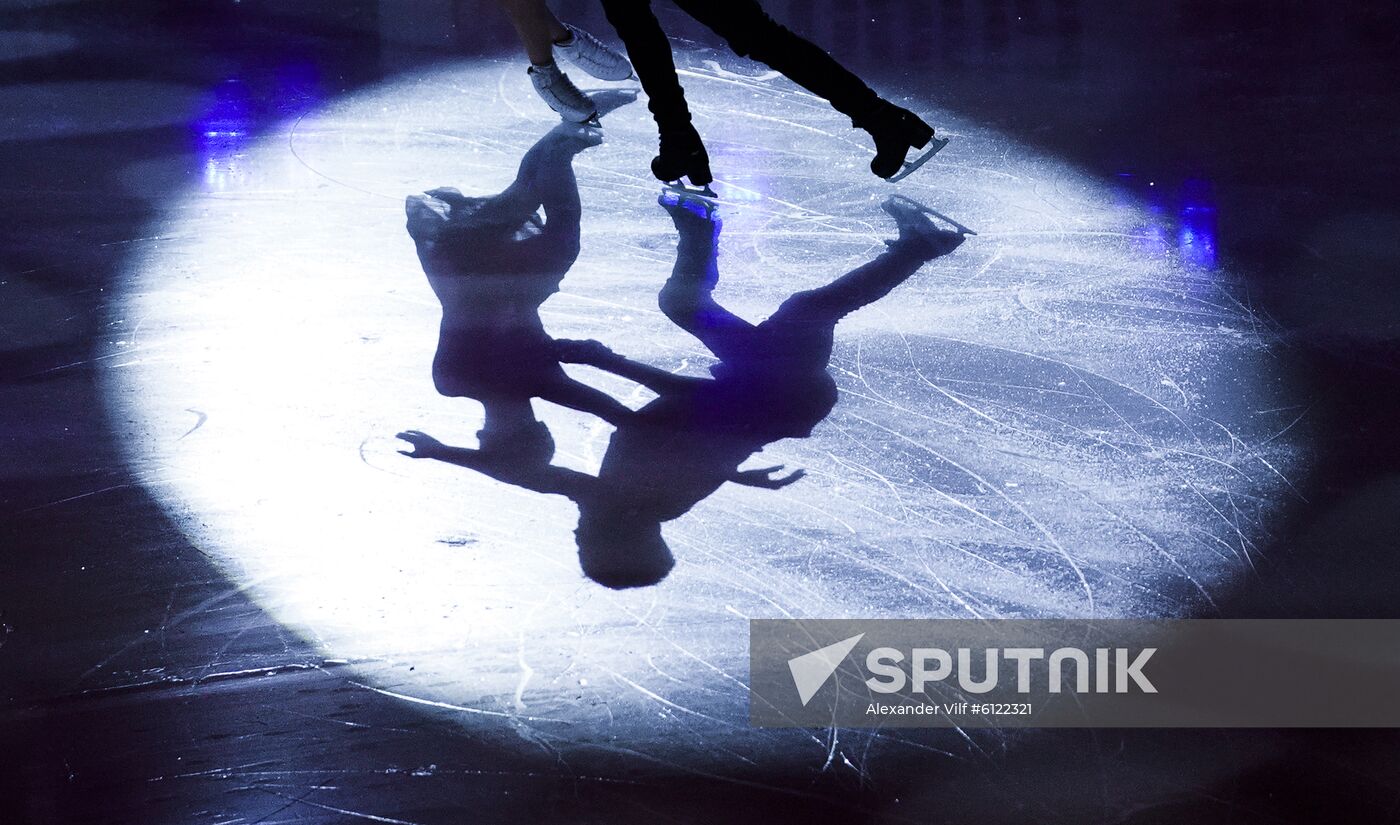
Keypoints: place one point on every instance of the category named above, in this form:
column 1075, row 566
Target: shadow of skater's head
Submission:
column 620, row 549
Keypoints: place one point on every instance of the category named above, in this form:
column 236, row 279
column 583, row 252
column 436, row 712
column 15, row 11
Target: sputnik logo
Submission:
column 811, row 670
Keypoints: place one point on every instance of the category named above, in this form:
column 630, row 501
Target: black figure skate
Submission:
column 896, row 131
column 683, row 155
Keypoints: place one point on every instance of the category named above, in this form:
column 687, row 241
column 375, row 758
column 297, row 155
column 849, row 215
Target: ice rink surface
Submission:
column 1159, row 381
column 1071, row 415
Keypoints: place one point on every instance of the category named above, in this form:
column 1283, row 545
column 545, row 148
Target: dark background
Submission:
column 1283, row 114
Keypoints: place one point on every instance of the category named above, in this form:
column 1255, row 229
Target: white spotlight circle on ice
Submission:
column 1062, row 418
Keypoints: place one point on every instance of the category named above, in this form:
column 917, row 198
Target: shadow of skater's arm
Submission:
column 579, row 396
column 539, row 478
column 596, row 354
column 764, row 478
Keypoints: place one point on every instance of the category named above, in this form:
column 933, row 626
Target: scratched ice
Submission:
column 1058, row 419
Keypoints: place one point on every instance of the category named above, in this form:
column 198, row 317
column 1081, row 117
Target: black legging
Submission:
column 750, row 32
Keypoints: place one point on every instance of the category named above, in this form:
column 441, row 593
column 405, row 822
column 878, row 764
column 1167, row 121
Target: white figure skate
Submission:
column 561, row 95
column 588, row 53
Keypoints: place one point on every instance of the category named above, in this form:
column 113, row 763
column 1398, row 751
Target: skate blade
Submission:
column 912, row 166
column 682, row 189
column 930, row 211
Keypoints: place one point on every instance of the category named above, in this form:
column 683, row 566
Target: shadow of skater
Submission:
column 492, row 261
column 771, row 383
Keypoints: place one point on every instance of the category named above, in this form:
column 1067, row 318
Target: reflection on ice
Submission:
column 1179, row 224
column 224, row 129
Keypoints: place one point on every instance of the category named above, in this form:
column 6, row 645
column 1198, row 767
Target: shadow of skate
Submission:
column 609, row 100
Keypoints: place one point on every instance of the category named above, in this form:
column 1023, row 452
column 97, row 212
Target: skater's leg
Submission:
column 540, row 31
column 538, row 28
column 682, row 153
column 650, row 53
column 750, row 32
